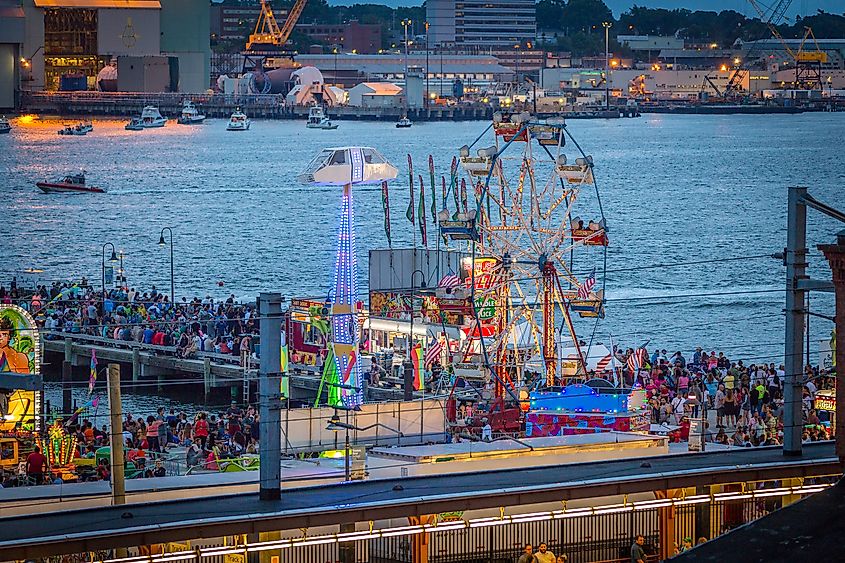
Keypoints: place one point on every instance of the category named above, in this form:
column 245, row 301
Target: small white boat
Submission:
column 135, row 124
column 86, row 126
column 5, row 126
column 190, row 114
column 151, row 117
column 78, row 130
column 238, row 121
column 403, row 123
column 317, row 119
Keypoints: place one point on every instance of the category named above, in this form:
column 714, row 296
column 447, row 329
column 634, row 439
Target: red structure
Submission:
column 835, row 254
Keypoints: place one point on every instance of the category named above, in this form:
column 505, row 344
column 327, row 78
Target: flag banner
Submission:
column 283, row 356
column 423, row 230
column 385, row 203
column 586, row 288
column 432, row 355
column 410, row 212
column 453, row 185
column 92, row 377
column 444, row 193
column 450, row 280
column 417, row 359
column 464, row 202
column 433, row 190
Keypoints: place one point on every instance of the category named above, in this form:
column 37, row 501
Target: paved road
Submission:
column 356, row 501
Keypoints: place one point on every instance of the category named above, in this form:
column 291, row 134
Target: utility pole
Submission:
column 606, row 26
column 118, row 488
column 795, row 259
column 835, row 254
column 269, row 396
column 427, row 87
column 798, row 284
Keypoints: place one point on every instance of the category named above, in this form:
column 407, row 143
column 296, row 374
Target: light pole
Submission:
column 172, row 285
column 112, row 259
column 407, row 380
column 606, row 26
column 516, row 49
column 427, row 88
column 405, row 24
column 422, row 285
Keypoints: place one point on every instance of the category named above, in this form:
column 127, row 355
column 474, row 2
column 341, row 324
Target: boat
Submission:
column 317, row 119
column 190, row 114
column 78, row 130
column 5, row 126
column 86, row 126
column 135, row 124
column 238, row 121
column 403, row 123
column 151, row 117
column 72, row 183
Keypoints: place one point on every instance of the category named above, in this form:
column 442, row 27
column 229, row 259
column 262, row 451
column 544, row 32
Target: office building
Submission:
column 481, row 23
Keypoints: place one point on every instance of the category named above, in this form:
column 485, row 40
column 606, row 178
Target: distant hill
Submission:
column 802, row 7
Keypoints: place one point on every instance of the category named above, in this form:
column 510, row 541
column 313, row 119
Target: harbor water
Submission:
column 694, row 204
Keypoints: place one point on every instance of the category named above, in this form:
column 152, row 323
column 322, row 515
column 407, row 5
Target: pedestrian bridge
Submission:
column 87, row 530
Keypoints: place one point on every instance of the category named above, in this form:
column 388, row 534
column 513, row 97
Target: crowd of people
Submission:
column 190, row 326
column 156, row 445
column 747, row 400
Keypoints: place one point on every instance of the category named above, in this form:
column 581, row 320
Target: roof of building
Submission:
column 125, row 4
column 381, row 88
column 808, row 530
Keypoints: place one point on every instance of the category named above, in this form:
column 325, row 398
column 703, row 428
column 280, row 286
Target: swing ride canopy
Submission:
column 339, row 166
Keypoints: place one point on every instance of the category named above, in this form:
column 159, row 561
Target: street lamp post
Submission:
column 606, row 26
column 112, row 259
column 405, row 24
column 172, row 285
column 408, row 368
column 427, row 87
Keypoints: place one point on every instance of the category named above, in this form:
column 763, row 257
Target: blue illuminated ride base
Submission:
column 579, row 398
column 344, row 321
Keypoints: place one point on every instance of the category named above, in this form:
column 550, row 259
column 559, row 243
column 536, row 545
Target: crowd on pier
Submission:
column 747, row 398
column 149, row 317
column 155, row 445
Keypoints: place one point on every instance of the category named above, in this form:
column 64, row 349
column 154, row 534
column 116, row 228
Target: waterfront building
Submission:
column 439, row 76
column 12, row 31
column 375, row 94
column 234, row 20
column 351, row 37
column 481, row 23
column 66, row 43
column 644, row 45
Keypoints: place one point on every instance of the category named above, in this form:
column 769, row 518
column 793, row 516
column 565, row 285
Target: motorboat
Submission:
column 135, row 124
column 78, row 130
column 72, row 183
column 238, row 121
column 86, row 126
column 151, row 117
column 317, row 119
column 190, row 114
column 5, row 126
column 403, row 123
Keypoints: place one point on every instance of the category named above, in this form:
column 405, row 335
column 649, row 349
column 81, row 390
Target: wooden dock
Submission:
column 257, row 106
column 160, row 363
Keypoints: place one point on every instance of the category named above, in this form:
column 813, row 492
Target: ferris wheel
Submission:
column 539, row 251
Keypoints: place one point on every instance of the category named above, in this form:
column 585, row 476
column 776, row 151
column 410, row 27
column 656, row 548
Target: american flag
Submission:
column 603, row 363
column 585, row 288
column 637, row 359
column 449, row 281
column 432, row 354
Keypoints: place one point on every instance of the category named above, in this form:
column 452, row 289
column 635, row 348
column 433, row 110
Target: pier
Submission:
column 263, row 106
column 210, row 370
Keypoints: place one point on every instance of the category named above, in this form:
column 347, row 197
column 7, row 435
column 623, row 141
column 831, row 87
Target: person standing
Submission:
column 637, row 551
column 36, row 465
column 527, row 555
column 543, row 555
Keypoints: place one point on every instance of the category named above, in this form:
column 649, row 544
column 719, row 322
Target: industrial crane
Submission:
column 777, row 13
column 267, row 33
column 807, row 63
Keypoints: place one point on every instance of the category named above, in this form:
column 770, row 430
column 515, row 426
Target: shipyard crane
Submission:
column 267, row 33
column 807, row 63
column 775, row 16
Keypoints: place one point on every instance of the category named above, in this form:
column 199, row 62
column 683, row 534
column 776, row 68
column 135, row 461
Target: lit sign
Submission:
column 20, row 366
column 825, row 404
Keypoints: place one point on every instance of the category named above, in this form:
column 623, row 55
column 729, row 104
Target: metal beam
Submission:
column 808, row 284
column 420, row 502
column 795, row 259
